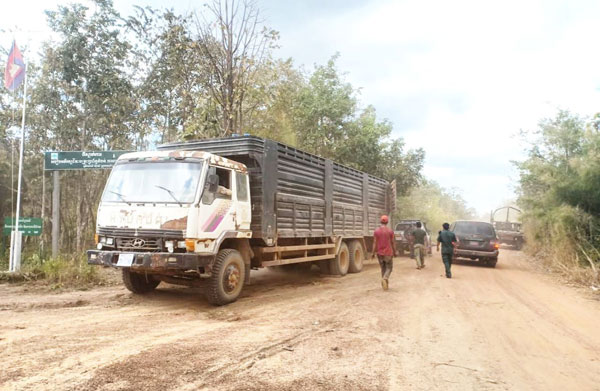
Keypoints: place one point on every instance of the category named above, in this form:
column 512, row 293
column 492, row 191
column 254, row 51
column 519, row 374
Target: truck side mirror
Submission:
column 212, row 183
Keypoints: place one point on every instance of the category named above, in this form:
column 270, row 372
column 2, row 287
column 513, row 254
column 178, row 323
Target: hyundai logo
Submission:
column 138, row 243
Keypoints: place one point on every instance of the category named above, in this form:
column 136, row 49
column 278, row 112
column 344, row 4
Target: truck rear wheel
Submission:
column 357, row 256
column 227, row 278
column 340, row 264
column 139, row 283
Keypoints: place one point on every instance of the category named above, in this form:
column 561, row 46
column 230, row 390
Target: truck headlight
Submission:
column 110, row 241
column 169, row 245
column 103, row 239
column 99, row 246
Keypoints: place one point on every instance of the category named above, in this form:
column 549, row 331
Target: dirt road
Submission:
column 508, row 328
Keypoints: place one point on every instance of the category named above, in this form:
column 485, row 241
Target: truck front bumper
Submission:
column 152, row 261
column 460, row 253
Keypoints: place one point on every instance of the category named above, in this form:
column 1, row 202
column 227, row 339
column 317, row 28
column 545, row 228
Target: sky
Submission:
column 459, row 79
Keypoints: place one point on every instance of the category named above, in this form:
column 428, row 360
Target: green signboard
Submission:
column 30, row 226
column 80, row 160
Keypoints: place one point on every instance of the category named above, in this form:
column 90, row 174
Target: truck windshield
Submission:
column 157, row 182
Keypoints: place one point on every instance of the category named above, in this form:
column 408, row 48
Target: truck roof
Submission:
column 180, row 154
column 242, row 145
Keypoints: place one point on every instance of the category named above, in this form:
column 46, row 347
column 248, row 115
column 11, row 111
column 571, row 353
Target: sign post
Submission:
column 80, row 160
column 56, row 161
column 28, row 226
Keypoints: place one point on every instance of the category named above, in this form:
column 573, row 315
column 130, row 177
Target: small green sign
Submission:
column 80, row 160
column 30, row 226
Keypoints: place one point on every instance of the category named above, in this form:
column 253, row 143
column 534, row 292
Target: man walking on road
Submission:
column 384, row 246
column 449, row 242
column 418, row 236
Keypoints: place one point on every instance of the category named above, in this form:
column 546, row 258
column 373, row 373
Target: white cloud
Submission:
column 458, row 78
column 462, row 78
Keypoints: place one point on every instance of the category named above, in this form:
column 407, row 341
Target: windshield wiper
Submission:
column 121, row 197
column 170, row 193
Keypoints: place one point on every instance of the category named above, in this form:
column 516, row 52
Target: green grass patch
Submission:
column 61, row 272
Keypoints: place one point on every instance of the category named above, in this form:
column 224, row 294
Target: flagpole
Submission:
column 16, row 257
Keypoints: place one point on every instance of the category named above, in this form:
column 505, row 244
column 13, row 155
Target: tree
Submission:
column 327, row 122
column 432, row 203
column 171, row 90
column 85, row 100
column 235, row 46
column 559, row 190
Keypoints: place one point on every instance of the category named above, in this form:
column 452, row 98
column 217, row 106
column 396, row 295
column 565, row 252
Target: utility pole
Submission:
column 55, row 212
column 15, row 258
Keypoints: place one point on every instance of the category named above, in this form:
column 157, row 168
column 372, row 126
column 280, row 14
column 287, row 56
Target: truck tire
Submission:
column 357, row 256
column 492, row 262
column 227, row 278
column 138, row 283
column 340, row 264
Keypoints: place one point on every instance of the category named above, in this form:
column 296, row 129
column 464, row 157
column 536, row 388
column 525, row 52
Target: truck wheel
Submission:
column 357, row 256
column 139, row 283
column 492, row 262
column 340, row 264
column 227, row 278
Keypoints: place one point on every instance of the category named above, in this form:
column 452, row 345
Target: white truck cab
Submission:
column 169, row 211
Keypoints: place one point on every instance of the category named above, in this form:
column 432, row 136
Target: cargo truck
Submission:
column 509, row 231
column 204, row 213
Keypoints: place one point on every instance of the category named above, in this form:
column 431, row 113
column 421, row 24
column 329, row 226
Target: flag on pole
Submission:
column 15, row 69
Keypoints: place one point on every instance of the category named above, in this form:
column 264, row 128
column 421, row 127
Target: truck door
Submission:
column 218, row 210
column 243, row 211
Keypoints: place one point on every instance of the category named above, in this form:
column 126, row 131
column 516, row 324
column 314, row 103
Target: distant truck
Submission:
column 403, row 239
column 507, row 228
column 204, row 213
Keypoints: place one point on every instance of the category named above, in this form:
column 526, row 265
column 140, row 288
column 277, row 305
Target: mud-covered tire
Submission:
column 139, row 283
column 357, row 256
column 341, row 263
column 227, row 278
column 492, row 262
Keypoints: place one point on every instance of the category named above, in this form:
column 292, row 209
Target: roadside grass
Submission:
column 56, row 273
column 576, row 262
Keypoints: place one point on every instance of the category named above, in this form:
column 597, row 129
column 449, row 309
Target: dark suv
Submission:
column 477, row 240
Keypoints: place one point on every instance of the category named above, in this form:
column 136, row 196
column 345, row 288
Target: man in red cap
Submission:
column 384, row 246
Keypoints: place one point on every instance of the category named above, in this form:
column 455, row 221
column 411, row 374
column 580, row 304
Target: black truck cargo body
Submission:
column 297, row 194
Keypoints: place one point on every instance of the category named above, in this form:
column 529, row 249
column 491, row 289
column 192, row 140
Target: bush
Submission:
column 59, row 272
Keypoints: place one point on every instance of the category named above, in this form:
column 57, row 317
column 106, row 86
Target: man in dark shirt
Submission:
column 419, row 237
column 449, row 242
column 384, row 246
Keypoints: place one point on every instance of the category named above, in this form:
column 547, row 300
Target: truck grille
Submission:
column 137, row 244
column 133, row 232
